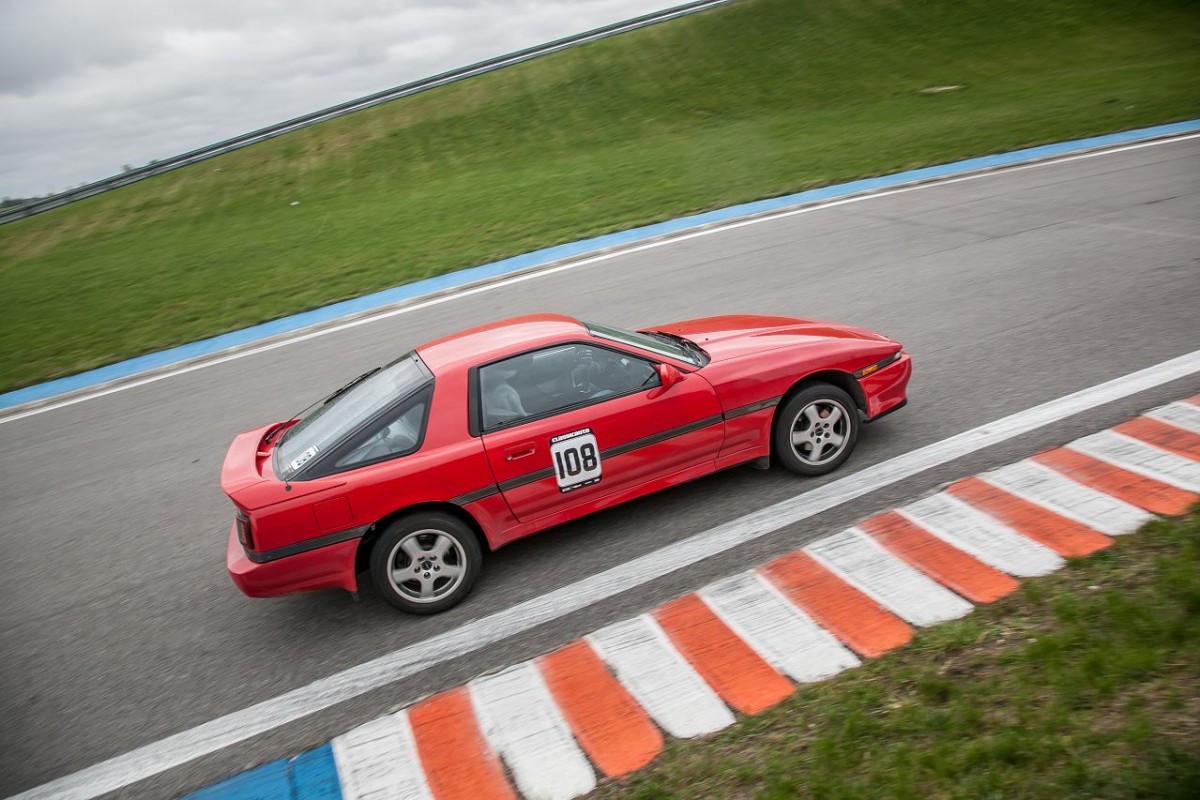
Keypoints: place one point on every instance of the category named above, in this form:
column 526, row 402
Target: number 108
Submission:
column 572, row 461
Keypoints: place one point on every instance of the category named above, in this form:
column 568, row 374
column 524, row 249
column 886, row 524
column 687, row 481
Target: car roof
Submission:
column 495, row 340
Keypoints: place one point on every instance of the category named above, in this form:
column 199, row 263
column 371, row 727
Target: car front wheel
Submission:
column 425, row 563
column 816, row 430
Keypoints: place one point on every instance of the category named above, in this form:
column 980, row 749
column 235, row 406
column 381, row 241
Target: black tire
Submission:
column 801, row 428
column 422, row 585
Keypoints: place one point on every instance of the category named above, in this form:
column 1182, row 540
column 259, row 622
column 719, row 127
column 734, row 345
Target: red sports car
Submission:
column 412, row 470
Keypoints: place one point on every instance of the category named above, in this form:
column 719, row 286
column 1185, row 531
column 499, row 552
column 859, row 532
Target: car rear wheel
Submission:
column 425, row 562
column 816, row 430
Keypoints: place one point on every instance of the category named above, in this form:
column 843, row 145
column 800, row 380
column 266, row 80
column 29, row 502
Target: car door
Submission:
column 566, row 425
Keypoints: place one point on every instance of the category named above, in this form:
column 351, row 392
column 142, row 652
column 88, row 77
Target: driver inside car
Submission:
column 501, row 401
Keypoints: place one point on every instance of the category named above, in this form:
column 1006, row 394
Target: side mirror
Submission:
column 668, row 376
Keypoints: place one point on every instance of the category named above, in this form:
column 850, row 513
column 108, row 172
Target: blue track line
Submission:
column 309, row 776
column 377, row 300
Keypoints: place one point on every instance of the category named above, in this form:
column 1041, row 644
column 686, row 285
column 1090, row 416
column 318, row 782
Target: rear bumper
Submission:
column 330, row 567
column 885, row 390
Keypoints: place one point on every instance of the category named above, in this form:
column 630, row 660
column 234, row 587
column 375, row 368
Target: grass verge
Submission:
column 761, row 98
column 1083, row 684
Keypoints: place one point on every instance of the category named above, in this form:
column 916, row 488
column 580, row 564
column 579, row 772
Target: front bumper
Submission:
column 330, row 567
column 885, row 390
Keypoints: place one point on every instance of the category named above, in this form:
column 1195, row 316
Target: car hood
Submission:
column 738, row 335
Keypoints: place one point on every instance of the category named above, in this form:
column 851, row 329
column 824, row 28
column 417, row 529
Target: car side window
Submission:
column 557, row 378
column 396, row 436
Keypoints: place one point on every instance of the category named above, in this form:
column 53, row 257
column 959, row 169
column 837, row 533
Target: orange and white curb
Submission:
column 603, row 705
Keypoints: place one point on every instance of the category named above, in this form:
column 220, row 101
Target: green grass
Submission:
column 761, row 98
column 1083, row 684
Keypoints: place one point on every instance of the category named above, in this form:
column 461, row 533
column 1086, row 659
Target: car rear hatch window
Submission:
column 324, row 425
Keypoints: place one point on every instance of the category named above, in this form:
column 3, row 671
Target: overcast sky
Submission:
column 87, row 86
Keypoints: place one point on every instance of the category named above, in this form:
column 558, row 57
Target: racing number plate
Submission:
column 576, row 459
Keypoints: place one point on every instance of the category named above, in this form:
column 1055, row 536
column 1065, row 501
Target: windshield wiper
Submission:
column 686, row 344
column 669, row 337
column 271, row 434
column 350, row 386
column 287, row 434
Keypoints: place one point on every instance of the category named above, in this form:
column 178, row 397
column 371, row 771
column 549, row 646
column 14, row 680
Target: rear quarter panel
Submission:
column 450, row 463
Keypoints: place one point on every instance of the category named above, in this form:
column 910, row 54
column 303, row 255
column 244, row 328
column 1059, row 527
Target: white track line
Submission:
column 379, row 760
column 1043, row 486
column 660, row 679
column 302, row 336
column 524, row 725
column 783, row 635
column 974, row 532
column 861, row 562
column 1181, row 415
column 188, row 745
column 1137, row 456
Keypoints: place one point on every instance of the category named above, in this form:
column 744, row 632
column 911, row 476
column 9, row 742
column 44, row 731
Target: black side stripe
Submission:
column 608, row 452
column 618, row 450
column 529, row 477
column 752, row 407
column 475, row 496
column 264, row 556
column 646, row 441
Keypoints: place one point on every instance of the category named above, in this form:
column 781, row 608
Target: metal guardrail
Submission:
column 228, row 145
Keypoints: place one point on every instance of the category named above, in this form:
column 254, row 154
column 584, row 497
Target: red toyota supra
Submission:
column 412, row 470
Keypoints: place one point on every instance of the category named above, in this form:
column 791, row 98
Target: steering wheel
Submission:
column 583, row 373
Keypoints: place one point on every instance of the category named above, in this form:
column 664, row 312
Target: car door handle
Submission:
column 528, row 451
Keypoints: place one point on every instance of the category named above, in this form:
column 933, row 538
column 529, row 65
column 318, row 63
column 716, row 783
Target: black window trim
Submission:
column 312, row 470
column 475, row 400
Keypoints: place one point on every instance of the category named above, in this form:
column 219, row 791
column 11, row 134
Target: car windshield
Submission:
column 664, row 344
column 325, row 424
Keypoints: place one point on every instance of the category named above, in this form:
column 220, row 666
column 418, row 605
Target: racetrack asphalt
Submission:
column 120, row 626
column 604, row 705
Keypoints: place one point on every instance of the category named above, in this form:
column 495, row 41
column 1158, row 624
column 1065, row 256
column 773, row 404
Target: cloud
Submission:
column 86, row 87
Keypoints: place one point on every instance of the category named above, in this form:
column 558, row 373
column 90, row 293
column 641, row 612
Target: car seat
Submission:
column 501, row 401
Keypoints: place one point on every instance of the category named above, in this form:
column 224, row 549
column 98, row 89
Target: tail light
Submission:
column 245, row 535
